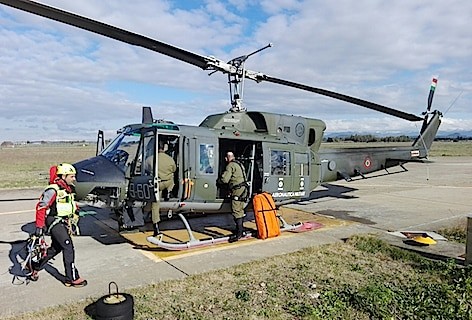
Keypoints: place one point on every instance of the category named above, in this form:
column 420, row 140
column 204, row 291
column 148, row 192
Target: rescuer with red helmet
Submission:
column 56, row 212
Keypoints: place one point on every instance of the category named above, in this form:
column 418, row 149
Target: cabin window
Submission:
column 207, row 158
column 301, row 163
column 312, row 137
column 280, row 163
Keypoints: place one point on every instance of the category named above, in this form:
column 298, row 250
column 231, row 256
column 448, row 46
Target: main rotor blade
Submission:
column 339, row 96
column 206, row 63
column 108, row 31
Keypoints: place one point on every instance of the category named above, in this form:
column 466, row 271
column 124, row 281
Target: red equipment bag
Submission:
column 52, row 174
column 265, row 214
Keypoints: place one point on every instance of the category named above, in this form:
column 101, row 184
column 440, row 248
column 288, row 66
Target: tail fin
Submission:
column 429, row 129
column 428, row 133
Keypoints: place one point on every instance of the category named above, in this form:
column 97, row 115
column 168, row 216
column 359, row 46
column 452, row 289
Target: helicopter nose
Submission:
column 97, row 172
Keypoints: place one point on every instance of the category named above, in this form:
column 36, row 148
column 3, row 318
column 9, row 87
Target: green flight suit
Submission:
column 165, row 173
column 234, row 177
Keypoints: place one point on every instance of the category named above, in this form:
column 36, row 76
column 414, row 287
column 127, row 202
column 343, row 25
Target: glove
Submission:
column 39, row 232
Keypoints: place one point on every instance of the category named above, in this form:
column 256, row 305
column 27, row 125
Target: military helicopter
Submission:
column 280, row 153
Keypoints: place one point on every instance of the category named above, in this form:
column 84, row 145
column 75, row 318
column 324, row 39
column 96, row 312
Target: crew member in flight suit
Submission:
column 165, row 174
column 235, row 177
column 57, row 211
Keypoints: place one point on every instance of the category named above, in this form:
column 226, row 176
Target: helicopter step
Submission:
column 193, row 242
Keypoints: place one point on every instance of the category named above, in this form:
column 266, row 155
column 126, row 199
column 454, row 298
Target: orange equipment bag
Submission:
column 265, row 214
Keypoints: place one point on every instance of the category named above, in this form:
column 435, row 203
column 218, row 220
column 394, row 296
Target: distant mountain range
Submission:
column 454, row 135
column 441, row 134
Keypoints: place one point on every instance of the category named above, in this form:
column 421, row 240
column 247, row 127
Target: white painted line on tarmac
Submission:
column 14, row 212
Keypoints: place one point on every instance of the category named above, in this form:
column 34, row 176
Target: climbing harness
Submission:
column 36, row 249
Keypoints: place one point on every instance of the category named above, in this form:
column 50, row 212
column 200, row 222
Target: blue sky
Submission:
column 59, row 82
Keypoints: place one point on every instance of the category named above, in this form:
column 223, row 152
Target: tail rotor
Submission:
column 432, row 89
column 430, row 127
column 434, row 83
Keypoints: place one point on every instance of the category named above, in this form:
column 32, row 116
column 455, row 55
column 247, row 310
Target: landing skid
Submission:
column 196, row 243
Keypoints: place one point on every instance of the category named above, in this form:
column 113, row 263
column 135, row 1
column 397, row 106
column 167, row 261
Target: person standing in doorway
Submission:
column 165, row 174
column 235, row 177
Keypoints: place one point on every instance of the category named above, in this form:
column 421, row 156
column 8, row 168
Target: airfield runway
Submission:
column 427, row 197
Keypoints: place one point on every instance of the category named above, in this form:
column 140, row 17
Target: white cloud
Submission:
column 382, row 52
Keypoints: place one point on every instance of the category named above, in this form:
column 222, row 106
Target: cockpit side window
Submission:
column 120, row 149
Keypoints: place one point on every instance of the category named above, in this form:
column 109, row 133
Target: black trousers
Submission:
column 61, row 241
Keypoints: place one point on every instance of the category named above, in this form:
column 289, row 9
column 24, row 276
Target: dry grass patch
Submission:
column 456, row 233
column 28, row 166
column 309, row 284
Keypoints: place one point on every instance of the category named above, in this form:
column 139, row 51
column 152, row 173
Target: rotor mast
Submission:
column 236, row 79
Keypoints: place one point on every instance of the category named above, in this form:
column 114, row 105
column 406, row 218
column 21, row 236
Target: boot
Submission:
column 238, row 234
column 79, row 283
column 155, row 228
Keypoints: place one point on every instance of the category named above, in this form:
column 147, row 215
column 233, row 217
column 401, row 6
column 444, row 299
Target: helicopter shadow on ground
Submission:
column 19, row 253
column 383, row 174
column 342, row 192
column 334, row 191
column 330, row 191
column 100, row 224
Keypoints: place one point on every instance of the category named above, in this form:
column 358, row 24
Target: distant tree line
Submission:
column 12, row 143
column 401, row 138
column 455, row 139
column 370, row 138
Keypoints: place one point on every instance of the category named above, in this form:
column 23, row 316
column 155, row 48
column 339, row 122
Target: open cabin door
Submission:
column 248, row 153
column 143, row 181
column 143, row 176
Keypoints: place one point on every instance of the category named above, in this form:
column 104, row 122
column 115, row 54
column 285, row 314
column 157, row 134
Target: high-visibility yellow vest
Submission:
column 65, row 204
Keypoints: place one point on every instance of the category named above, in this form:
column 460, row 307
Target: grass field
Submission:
column 27, row 165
